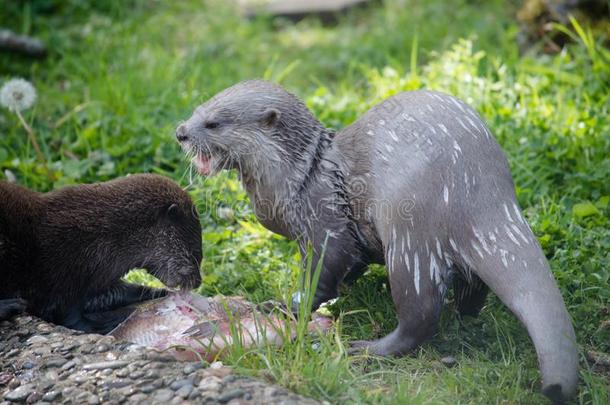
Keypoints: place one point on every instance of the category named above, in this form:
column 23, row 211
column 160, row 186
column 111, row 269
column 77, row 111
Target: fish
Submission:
column 193, row 327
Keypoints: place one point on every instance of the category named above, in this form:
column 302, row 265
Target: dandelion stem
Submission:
column 32, row 138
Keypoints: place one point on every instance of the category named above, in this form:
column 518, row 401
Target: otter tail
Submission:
column 505, row 254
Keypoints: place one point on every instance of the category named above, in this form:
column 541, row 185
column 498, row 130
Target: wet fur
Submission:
column 419, row 184
column 64, row 252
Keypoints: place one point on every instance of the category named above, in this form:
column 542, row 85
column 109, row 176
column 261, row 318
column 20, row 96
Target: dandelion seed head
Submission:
column 17, row 95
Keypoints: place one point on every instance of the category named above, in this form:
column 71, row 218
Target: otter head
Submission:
column 162, row 229
column 250, row 126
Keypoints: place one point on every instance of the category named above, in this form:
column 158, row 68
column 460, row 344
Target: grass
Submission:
column 122, row 74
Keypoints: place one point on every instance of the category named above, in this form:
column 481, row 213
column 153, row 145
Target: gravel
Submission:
column 46, row 364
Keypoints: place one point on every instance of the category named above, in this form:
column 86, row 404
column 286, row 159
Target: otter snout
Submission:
column 185, row 278
column 182, row 134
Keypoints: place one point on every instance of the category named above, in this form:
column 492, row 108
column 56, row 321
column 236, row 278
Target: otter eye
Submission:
column 173, row 211
column 211, row 125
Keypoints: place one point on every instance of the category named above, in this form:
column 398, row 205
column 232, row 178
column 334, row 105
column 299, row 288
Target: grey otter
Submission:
column 63, row 253
column 418, row 183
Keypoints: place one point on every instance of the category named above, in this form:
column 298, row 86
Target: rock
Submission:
column 33, row 397
column 28, row 365
column 36, row 339
column 229, row 395
column 51, row 396
column 93, row 400
column 147, row 389
column 105, row 365
column 55, row 362
column 20, row 394
column 185, row 391
column 176, row 385
column 163, row 395
column 449, row 361
column 191, row 368
column 137, row 398
column 211, row 383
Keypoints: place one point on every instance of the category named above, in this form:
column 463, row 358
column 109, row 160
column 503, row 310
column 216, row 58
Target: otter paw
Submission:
column 11, row 307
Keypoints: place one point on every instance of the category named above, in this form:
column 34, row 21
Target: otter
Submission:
column 418, row 183
column 63, row 253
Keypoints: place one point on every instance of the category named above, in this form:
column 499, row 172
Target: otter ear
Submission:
column 270, row 117
column 173, row 211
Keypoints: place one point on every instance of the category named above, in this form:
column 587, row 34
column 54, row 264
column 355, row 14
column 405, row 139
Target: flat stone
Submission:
column 176, row 385
column 51, row 396
column 19, row 394
column 106, row 365
column 147, row 389
column 163, row 395
column 229, row 395
column 191, row 368
column 185, row 391
column 36, row 339
column 55, row 362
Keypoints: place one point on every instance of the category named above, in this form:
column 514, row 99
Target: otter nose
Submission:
column 181, row 133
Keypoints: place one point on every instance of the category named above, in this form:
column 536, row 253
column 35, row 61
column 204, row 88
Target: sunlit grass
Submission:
column 121, row 75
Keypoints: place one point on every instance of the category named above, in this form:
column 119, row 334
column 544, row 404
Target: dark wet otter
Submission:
column 64, row 252
column 417, row 183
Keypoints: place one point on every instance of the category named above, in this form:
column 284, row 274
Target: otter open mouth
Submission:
column 203, row 163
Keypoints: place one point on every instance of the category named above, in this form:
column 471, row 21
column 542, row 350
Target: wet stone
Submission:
column 51, row 396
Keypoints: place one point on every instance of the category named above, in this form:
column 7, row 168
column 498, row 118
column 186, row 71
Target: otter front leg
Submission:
column 11, row 307
column 120, row 294
column 415, row 281
column 339, row 265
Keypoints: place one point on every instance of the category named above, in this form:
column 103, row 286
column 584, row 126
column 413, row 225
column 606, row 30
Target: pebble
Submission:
column 51, row 396
column 211, row 383
column 449, row 361
column 229, row 395
column 176, row 385
column 33, row 397
column 147, row 389
column 191, row 368
column 185, row 391
column 93, row 400
column 163, row 395
column 56, row 362
column 73, row 367
column 105, row 364
column 137, row 398
column 19, row 394
column 36, row 339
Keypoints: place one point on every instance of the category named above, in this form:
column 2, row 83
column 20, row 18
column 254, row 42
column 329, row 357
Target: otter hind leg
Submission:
column 418, row 286
column 502, row 250
column 470, row 294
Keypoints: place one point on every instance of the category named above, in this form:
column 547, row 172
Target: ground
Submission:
column 121, row 75
column 43, row 363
